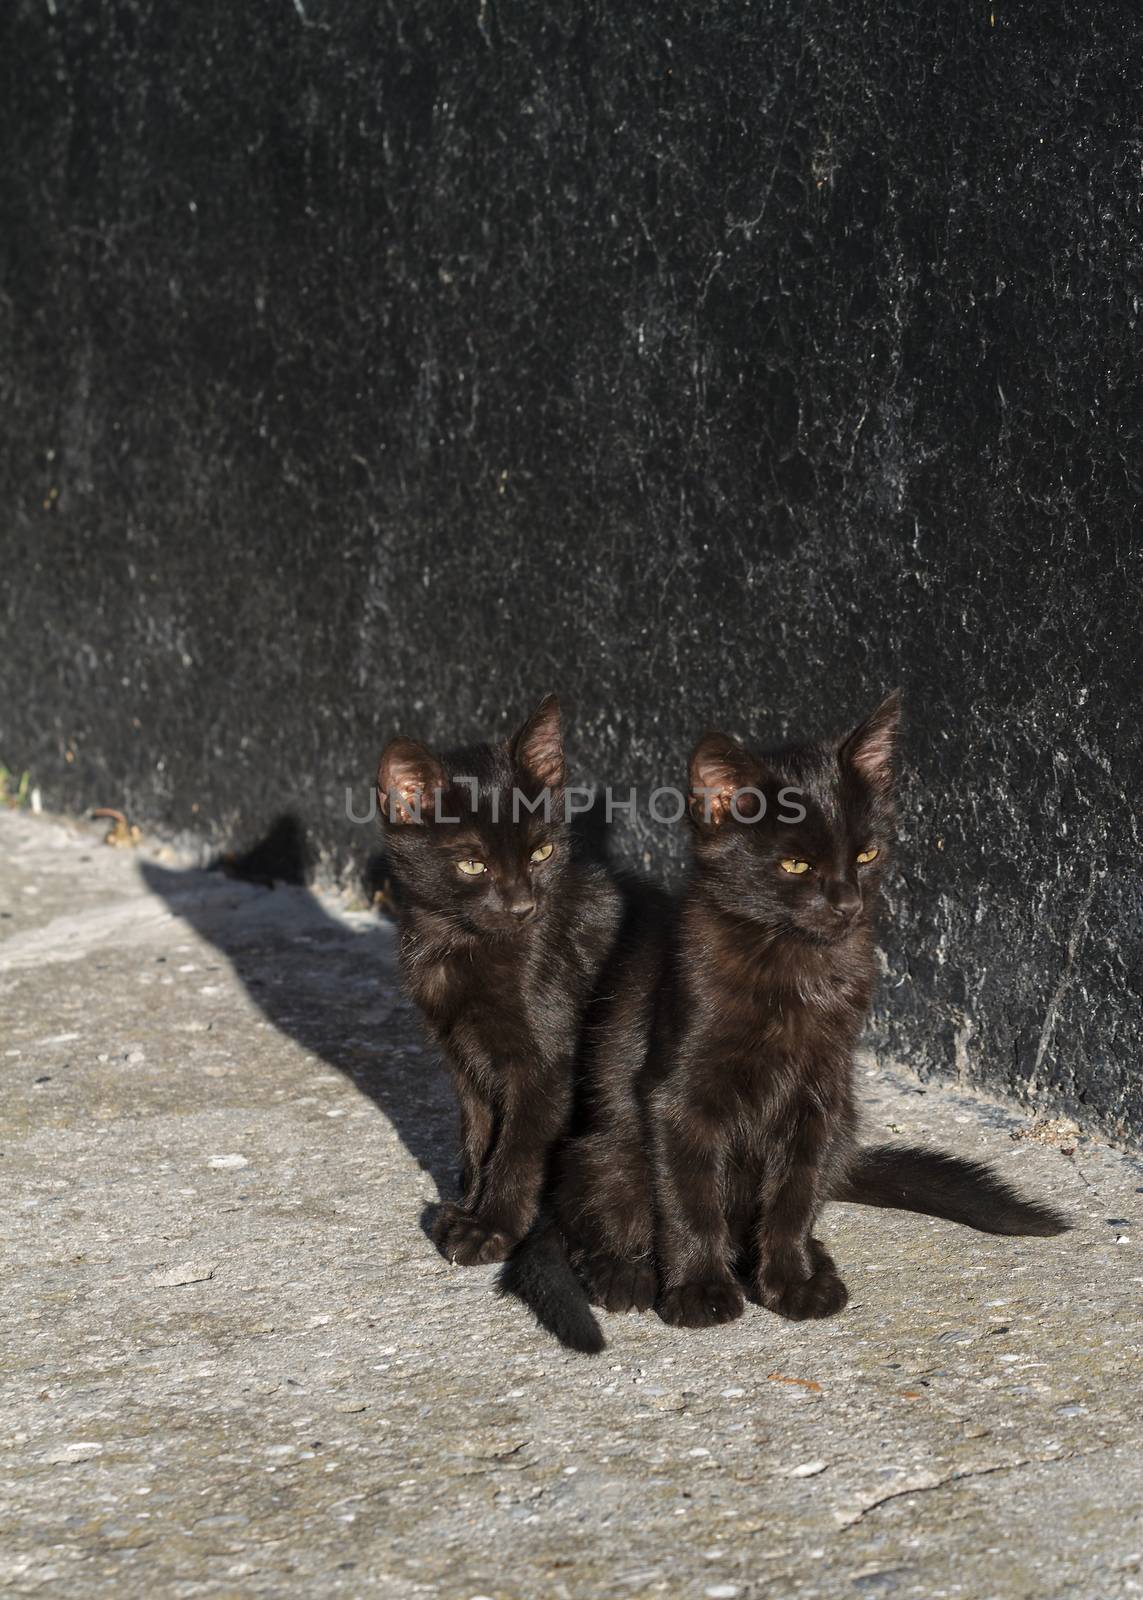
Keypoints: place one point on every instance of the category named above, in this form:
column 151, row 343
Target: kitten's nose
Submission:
column 522, row 909
column 843, row 897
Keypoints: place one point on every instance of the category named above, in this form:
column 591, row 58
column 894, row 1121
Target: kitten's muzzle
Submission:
column 522, row 910
column 843, row 899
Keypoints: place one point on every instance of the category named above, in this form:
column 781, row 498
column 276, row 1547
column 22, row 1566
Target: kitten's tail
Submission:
column 908, row 1178
column 539, row 1273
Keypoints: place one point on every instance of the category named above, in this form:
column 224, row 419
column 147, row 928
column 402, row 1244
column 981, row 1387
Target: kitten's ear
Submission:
column 720, row 766
column 538, row 748
column 871, row 748
column 407, row 776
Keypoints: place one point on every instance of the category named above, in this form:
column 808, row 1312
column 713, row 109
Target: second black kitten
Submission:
column 720, row 1112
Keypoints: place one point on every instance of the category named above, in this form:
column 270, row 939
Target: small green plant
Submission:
column 13, row 790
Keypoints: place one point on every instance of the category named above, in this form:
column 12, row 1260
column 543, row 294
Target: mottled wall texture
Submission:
column 373, row 366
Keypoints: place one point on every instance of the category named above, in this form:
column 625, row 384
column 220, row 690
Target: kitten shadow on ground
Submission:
column 328, row 982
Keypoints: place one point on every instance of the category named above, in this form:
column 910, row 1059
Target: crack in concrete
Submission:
column 1075, row 937
column 848, row 1520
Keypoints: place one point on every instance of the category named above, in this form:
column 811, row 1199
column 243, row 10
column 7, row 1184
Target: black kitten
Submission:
column 722, row 1108
column 503, row 933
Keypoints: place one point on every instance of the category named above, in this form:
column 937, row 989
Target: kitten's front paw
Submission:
column 619, row 1285
column 702, row 1305
column 466, row 1241
column 823, row 1294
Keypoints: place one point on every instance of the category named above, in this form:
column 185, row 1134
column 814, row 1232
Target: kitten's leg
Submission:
column 514, row 1174
column 698, row 1288
column 519, row 1164
column 619, row 1284
column 452, row 1232
column 606, row 1197
column 796, row 1276
column 477, row 1124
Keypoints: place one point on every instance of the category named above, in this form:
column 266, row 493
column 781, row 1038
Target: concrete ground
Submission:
column 233, row 1364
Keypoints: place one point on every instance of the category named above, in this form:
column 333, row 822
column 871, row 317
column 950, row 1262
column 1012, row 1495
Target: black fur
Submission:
column 719, row 1112
column 501, row 961
column 539, row 1273
column 908, row 1178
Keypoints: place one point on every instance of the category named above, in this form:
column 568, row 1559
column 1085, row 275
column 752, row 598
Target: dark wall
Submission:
column 378, row 366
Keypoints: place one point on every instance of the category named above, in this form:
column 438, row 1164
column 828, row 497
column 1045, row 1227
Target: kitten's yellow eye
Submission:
column 864, row 857
column 471, row 869
column 542, row 852
column 797, row 867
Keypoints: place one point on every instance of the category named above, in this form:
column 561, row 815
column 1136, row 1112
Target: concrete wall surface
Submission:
column 377, row 367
